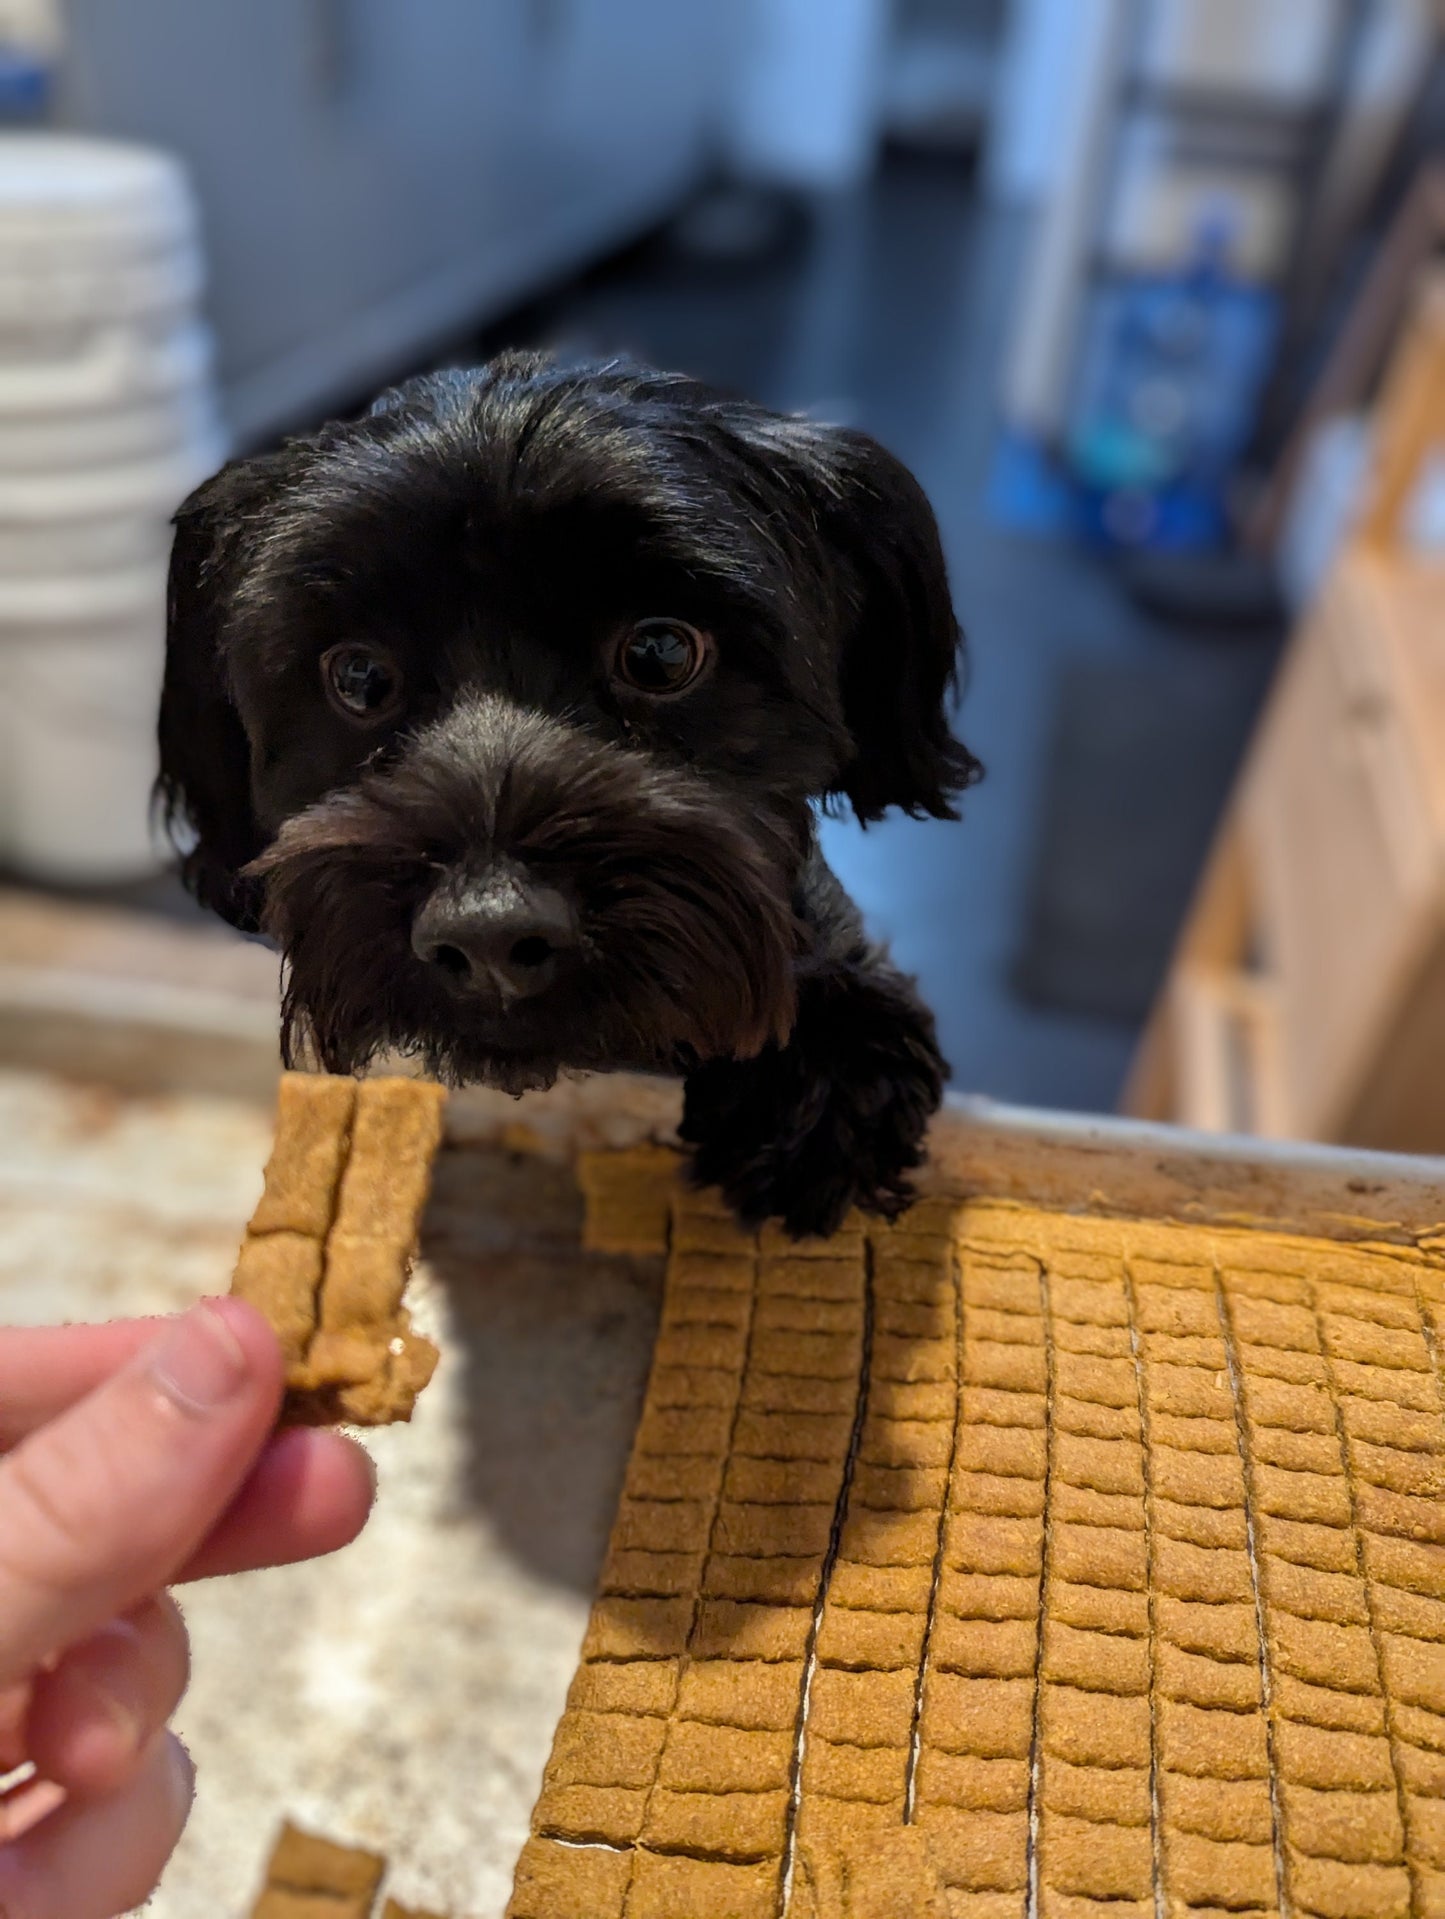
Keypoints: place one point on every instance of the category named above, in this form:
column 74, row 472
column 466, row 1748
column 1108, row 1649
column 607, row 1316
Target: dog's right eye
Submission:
column 661, row 656
column 361, row 683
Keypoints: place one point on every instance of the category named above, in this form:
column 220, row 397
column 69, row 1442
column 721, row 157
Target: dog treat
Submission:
column 1002, row 1562
column 328, row 1249
column 311, row 1878
column 628, row 1198
column 872, row 1875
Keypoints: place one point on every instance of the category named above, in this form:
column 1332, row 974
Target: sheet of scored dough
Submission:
column 1003, row 1563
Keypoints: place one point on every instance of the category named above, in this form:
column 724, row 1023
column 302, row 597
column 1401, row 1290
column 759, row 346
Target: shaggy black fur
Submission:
column 491, row 537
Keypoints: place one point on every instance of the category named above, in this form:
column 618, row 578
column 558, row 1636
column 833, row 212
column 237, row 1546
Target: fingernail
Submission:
column 199, row 1363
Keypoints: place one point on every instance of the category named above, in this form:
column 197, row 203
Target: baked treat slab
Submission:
column 328, row 1250
column 1005, row 1562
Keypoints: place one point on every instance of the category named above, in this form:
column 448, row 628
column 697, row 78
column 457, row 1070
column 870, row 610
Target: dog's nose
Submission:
column 506, row 937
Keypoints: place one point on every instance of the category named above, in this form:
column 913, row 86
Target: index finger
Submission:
column 45, row 1370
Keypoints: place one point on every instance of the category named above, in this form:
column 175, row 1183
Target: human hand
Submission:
column 132, row 1456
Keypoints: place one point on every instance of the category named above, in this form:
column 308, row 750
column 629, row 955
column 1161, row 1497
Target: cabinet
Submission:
column 1307, row 996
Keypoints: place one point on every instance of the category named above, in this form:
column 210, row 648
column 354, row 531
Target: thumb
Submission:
column 99, row 1508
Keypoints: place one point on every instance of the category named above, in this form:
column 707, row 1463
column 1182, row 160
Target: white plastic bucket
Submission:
column 92, row 230
column 139, row 431
column 77, row 741
column 98, row 519
column 103, row 367
column 107, row 421
column 125, row 394
column 82, row 599
column 63, row 191
column 36, row 299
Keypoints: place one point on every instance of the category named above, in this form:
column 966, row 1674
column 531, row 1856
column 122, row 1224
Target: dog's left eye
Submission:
column 661, row 656
column 361, row 683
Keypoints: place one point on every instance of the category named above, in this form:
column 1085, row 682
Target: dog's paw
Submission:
column 834, row 1119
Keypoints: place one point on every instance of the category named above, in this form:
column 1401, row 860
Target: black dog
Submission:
column 504, row 709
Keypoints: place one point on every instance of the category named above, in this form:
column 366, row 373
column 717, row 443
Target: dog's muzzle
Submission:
column 512, row 896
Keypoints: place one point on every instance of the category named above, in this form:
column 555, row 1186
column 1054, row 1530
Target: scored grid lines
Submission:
column 1356, row 1360
column 1342, row 1847
column 1394, row 1843
column 1261, row 1660
column 1156, row 1839
column 1095, row 1796
column 728, row 1512
column 858, row 1753
column 1093, row 1518
column 915, row 1731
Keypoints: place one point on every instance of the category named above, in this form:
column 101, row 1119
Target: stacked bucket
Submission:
column 107, row 420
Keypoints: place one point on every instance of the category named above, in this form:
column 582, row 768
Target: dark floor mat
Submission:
column 1140, row 761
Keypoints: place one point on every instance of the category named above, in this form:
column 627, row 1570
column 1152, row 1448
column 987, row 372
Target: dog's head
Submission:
column 503, row 709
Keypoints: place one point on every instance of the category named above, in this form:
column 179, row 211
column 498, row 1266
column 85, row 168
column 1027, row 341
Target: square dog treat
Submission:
column 555, row 1881
column 327, row 1253
column 311, row 1878
column 628, row 1198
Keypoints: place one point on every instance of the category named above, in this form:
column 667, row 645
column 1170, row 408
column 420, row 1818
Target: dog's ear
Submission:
column 902, row 649
column 203, row 793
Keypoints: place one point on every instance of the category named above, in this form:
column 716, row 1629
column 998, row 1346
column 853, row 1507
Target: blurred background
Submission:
column 1143, row 290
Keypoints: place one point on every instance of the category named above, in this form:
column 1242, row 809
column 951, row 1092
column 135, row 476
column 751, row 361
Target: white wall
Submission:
column 1068, row 168
column 807, row 91
column 1048, row 45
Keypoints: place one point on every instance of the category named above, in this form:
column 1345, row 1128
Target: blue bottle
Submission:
column 1170, row 373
